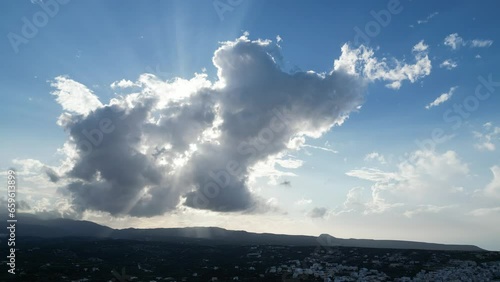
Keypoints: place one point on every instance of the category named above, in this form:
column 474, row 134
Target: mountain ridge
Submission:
column 32, row 226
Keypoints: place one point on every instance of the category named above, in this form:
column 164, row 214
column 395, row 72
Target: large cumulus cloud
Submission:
column 194, row 142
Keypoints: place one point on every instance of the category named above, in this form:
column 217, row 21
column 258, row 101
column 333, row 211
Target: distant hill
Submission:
column 29, row 225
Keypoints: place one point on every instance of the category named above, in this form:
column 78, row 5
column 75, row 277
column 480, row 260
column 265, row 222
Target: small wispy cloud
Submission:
column 303, row 202
column 448, row 64
column 485, row 211
column 486, row 140
column 426, row 209
column 454, row 41
column 420, row 47
column 124, row 83
column 375, row 156
column 442, row 98
column 320, row 148
column 426, row 20
column 481, row 43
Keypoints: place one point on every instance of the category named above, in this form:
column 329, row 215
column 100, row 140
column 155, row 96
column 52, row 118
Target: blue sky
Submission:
column 350, row 180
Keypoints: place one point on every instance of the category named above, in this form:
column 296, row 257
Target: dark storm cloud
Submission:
column 145, row 153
